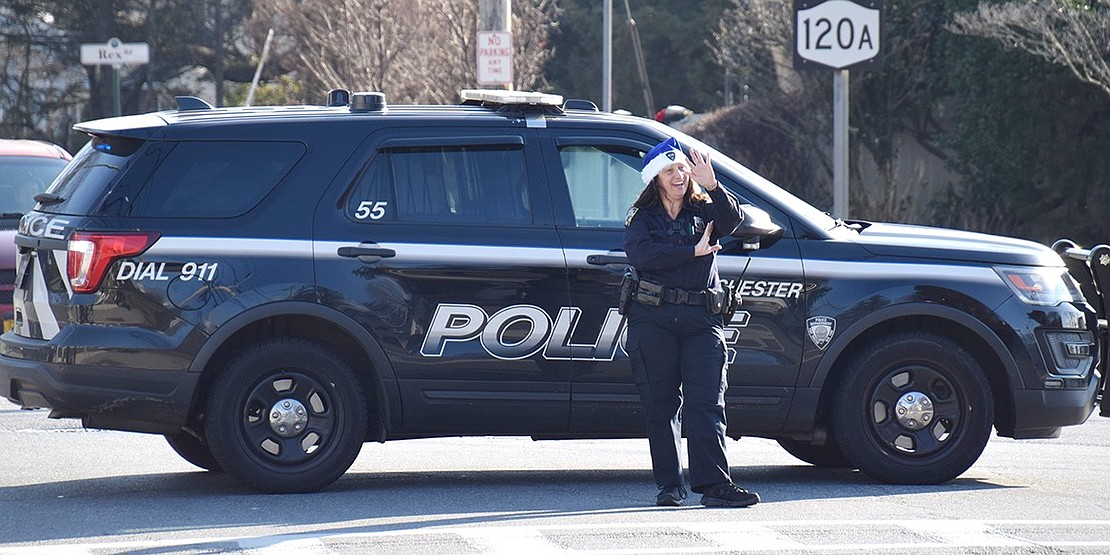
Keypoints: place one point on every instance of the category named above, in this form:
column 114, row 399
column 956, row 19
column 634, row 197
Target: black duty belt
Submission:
column 683, row 296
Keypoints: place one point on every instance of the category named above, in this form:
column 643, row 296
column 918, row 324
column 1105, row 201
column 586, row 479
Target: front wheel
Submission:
column 913, row 408
column 286, row 415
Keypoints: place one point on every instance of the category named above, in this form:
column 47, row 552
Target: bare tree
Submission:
column 418, row 51
column 1074, row 34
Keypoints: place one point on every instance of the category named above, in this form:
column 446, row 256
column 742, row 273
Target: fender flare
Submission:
column 386, row 379
column 804, row 415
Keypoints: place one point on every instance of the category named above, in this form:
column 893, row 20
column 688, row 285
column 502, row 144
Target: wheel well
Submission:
column 301, row 326
column 948, row 329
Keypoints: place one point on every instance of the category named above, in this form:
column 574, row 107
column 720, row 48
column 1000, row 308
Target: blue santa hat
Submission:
column 664, row 154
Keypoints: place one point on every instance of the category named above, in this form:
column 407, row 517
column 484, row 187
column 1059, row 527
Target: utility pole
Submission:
column 649, row 100
column 496, row 16
column 607, row 56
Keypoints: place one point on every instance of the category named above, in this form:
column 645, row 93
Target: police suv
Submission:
column 269, row 288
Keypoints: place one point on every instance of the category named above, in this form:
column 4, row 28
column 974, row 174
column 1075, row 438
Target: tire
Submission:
column 193, row 450
column 286, row 416
column 946, row 410
column 828, row 455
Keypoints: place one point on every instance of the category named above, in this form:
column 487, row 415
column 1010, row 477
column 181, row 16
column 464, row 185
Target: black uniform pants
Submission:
column 678, row 360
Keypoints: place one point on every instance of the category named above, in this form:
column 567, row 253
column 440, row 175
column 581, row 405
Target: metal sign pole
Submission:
column 840, row 143
column 607, row 56
column 115, row 89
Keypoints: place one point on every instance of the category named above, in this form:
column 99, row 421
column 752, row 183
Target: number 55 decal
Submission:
column 371, row 209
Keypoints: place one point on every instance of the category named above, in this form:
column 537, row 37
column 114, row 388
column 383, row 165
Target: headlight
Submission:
column 1042, row 286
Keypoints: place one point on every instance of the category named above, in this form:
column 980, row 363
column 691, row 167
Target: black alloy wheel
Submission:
column 286, row 415
column 913, row 408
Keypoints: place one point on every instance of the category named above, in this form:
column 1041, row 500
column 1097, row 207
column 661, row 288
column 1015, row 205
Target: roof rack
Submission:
column 510, row 98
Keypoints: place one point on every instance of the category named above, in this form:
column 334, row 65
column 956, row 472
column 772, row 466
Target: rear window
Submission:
column 214, row 179
column 211, row 179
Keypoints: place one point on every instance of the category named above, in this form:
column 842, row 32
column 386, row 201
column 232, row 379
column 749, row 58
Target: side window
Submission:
column 603, row 183
column 215, row 179
column 451, row 184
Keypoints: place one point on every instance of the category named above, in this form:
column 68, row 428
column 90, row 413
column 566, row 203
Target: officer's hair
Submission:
column 651, row 196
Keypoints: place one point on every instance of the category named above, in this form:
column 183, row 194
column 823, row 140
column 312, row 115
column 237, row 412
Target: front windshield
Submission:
column 758, row 183
column 23, row 177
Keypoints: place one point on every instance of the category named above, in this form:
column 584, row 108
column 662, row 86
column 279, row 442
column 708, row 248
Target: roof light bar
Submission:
column 495, row 96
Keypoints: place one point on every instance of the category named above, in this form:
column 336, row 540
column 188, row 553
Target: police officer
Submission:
column 675, row 337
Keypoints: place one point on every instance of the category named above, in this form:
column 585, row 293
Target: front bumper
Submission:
column 1041, row 413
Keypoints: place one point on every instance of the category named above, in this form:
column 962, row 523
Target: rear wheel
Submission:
column 913, row 408
column 286, row 415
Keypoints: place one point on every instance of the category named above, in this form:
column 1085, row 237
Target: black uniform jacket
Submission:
column 662, row 249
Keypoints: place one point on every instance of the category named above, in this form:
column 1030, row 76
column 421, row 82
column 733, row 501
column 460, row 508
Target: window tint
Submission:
column 215, row 179
column 603, row 183
column 465, row 185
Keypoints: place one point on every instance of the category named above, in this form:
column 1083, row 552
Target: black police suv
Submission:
column 269, row 288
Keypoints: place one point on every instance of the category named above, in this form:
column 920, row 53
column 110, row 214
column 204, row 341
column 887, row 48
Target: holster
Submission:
column 723, row 299
column 716, row 299
column 629, row 283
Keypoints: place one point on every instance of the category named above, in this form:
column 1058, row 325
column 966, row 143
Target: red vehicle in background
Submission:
column 26, row 169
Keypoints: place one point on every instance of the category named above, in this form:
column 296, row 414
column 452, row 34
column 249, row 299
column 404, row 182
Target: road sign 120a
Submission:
column 836, row 34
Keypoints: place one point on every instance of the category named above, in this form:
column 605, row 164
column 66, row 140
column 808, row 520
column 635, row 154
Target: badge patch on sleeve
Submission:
column 631, row 214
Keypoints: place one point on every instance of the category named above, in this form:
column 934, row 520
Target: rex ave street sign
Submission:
column 836, row 34
column 115, row 52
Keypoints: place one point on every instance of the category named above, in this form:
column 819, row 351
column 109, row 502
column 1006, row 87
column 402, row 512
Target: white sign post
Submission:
column 837, row 34
column 495, row 58
column 115, row 53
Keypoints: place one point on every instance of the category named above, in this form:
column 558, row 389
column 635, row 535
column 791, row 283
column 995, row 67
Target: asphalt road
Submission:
column 68, row 490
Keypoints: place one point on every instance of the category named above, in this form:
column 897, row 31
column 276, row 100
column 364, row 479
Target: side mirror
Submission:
column 756, row 228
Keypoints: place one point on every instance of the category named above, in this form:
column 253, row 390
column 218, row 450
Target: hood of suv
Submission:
column 949, row 244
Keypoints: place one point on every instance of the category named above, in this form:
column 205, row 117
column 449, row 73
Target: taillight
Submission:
column 90, row 255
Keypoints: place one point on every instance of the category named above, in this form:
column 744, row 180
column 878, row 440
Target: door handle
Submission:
column 366, row 253
column 606, row 259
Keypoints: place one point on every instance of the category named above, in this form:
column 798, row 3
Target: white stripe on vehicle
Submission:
column 230, row 246
column 460, row 255
column 61, row 259
column 41, row 301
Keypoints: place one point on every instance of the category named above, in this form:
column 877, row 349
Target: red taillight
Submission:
column 90, row 255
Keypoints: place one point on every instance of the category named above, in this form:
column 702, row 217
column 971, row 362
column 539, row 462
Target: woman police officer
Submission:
column 675, row 338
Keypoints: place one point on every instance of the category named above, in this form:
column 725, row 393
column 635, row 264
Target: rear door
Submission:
column 443, row 248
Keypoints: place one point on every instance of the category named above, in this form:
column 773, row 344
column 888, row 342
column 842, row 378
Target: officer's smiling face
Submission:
column 673, row 181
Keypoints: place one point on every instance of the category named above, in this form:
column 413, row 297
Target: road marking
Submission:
column 619, row 538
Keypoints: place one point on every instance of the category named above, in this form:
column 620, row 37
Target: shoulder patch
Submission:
column 631, row 214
